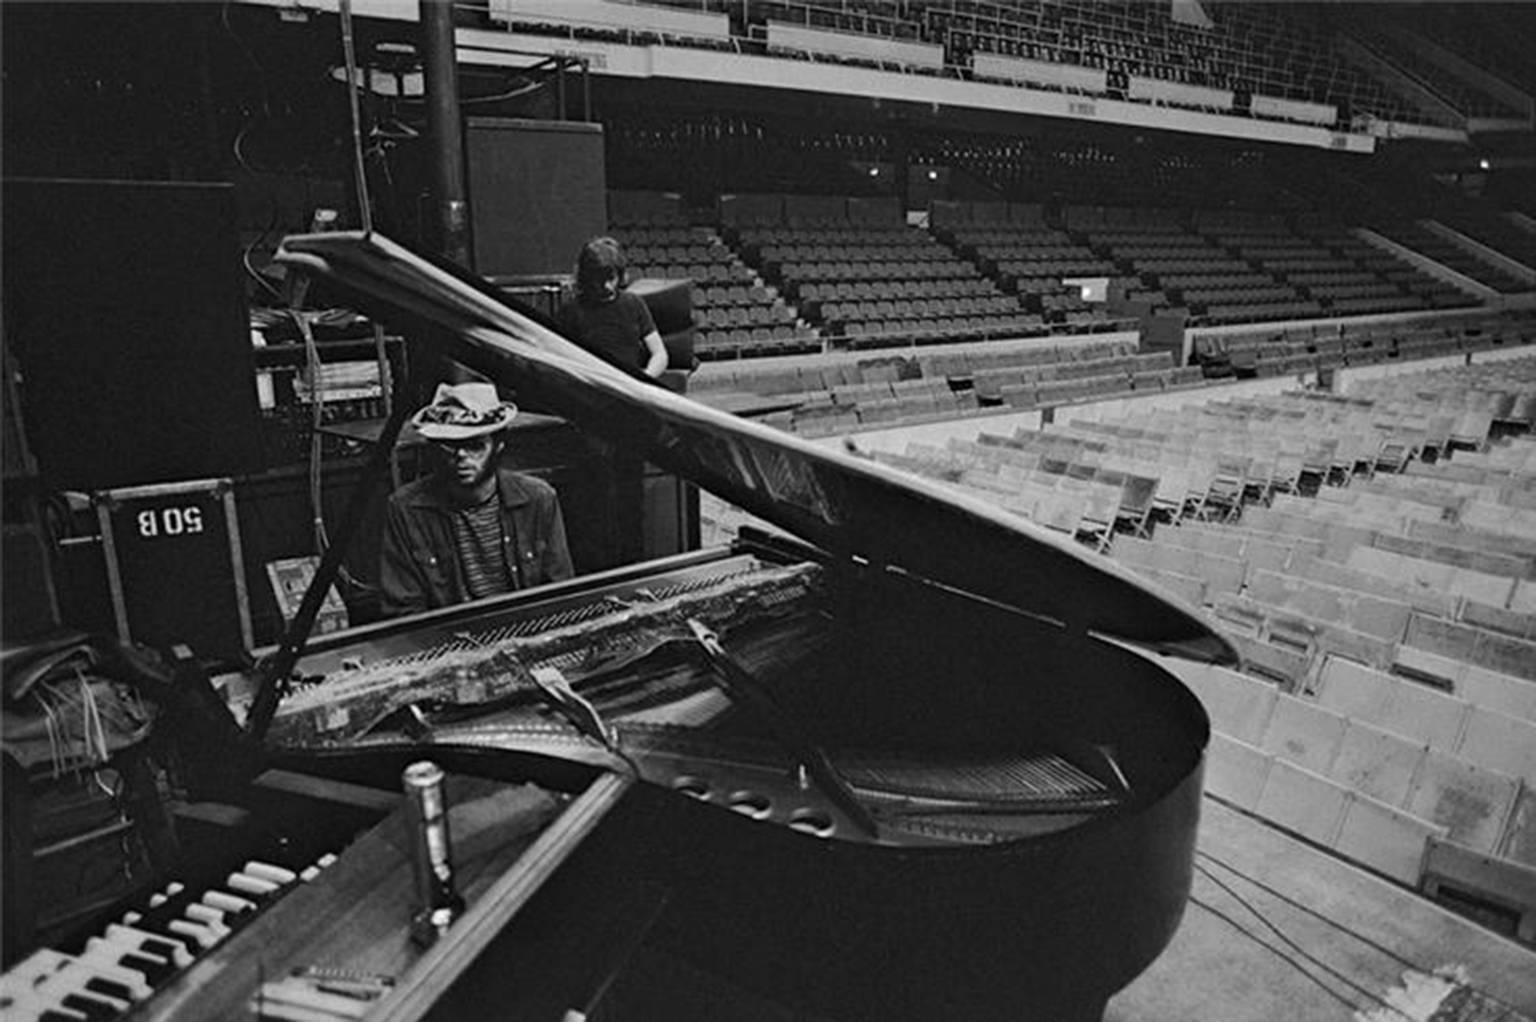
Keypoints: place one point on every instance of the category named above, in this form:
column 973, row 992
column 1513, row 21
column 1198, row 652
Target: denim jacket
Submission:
column 418, row 566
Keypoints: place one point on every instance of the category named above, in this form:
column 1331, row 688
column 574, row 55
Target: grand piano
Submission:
column 897, row 755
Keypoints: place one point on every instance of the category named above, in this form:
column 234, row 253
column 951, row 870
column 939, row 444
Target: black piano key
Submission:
column 108, row 987
column 154, row 970
column 234, row 906
column 94, row 1009
column 164, row 947
column 154, row 919
column 158, row 919
column 54, row 1015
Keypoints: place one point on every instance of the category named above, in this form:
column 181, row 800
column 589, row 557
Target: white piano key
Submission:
column 208, row 916
column 71, row 980
column 270, row 873
column 21, row 981
column 129, row 936
column 100, row 958
column 120, row 946
column 227, row 903
column 29, row 1007
column 204, row 937
column 247, row 884
column 313, row 870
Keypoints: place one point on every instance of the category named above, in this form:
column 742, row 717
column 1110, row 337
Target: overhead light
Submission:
column 874, row 171
column 1483, row 164
column 933, row 175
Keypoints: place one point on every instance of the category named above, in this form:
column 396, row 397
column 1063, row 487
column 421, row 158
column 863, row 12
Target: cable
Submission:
column 245, row 256
column 1304, row 953
column 1293, row 963
column 510, row 94
column 1362, row 938
column 359, row 171
column 316, row 419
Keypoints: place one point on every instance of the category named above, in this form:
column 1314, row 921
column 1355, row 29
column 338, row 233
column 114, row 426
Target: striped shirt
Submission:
column 477, row 535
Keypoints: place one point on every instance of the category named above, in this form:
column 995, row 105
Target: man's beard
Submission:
column 458, row 482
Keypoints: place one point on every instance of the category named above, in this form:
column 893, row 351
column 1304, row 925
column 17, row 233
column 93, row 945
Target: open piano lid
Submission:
column 853, row 509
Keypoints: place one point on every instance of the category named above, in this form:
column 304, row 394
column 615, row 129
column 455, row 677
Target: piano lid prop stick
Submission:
column 739, row 684
column 273, row 673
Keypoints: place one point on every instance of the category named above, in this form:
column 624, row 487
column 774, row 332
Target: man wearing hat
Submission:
column 471, row 528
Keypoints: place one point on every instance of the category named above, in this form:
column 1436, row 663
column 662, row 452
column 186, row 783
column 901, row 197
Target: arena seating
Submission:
column 1382, row 38
column 1371, row 552
column 1032, row 260
column 1259, row 60
column 734, row 312
column 875, row 284
column 1485, row 35
column 1429, row 789
column 1426, row 292
column 1478, row 222
column 1421, row 239
column 1387, row 620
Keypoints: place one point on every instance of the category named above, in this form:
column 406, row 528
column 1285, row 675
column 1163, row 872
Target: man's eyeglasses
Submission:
column 472, row 444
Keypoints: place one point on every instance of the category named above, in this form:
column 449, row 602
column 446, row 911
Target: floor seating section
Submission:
column 1426, row 788
column 1372, row 555
column 830, row 397
column 1323, row 346
column 879, row 390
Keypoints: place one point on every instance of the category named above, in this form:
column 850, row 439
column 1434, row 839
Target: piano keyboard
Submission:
column 144, row 949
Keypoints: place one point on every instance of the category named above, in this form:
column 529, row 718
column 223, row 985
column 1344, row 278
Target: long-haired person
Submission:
column 607, row 320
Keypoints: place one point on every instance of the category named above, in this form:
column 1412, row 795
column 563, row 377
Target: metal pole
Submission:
column 446, row 130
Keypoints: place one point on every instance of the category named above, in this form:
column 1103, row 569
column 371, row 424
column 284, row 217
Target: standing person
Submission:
column 605, row 319
column 617, row 327
column 471, row 528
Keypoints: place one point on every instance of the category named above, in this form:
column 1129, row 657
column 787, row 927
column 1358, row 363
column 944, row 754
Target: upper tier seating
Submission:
column 1382, row 38
column 1261, row 59
column 1495, row 37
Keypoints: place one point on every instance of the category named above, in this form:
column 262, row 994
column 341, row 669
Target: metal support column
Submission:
column 445, row 127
